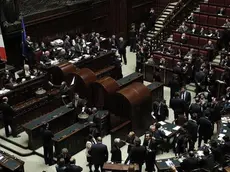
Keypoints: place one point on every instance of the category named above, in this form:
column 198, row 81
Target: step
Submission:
column 169, row 10
column 216, row 61
column 167, row 13
column 192, row 84
column 165, row 16
column 150, row 35
column 160, row 22
column 173, row 3
column 159, row 25
column 161, row 19
column 191, row 88
column 170, row 7
column 157, row 28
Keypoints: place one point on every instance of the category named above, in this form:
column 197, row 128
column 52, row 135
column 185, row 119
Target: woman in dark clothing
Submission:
column 116, row 152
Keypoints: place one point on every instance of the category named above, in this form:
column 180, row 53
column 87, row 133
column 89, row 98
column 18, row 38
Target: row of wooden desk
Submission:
column 10, row 163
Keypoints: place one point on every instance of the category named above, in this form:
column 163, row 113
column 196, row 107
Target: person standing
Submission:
column 132, row 38
column 99, row 153
column 48, row 144
column 150, row 145
column 8, row 115
column 138, row 154
column 186, row 96
column 122, row 49
column 116, row 152
column 178, row 105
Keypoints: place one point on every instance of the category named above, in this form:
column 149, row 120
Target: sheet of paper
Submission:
column 162, row 122
column 176, row 128
column 167, row 133
column 71, row 61
column 221, row 135
column 88, row 43
column 224, row 131
column 200, row 153
column 169, row 163
column 1, row 157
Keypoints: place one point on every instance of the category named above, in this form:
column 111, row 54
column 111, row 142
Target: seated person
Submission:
column 190, row 54
column 162, row 62
column 207, row 162
column 190, row 163
column 170, row 51
column 60, row 167
column 87, row 50
column 202, row 31
column 194, row 29
column 216, row 34
column 45, row 57
column 96, row 48
column 226, row 24
column 157, row 132
column 72, row 167
column 170, row 39
column 221, row 12
column 191, row 18
column 209, row 46
column 209, row 34
column 183, row 39
column 182, row 28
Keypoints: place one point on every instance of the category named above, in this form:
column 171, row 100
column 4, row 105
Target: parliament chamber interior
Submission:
column 115, row 85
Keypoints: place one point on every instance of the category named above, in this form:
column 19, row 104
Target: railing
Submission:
column 183, row 9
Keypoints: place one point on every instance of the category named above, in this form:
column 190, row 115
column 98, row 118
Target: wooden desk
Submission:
column 162, row 166
column 58, row 119
column 118, row 167
column 34, row 108
column 10, row 163
column 73, row 138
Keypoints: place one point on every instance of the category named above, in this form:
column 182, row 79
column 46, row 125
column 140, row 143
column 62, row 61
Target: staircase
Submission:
column 161, row 20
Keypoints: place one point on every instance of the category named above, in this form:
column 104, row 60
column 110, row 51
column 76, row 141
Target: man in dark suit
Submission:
column 138, row 154
column 116, row 152
column 174, row 85
column 8, row 115
column 205, row 130
column 186, row 96
column 178, row 105
column 196, row 108
column 207, row 162
column 47, row 144
column 65, row 155
column 194, row 29
column 192, row 128
column 200, row 78
column 162, row 111
column 190, row 163
column 122, row 49
column 99, row 153
column 151, row 147
column 45, row 57
column 183, row 39
column 72, row 167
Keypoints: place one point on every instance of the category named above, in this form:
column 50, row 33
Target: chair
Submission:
column 196, row 16
column 169, row 61
column 204, row 18
column 203, row 8
column 204, row 53
column 203, row 41
column 212, row 9
column 176, row 37
column 184, row 50
column 220, row 21
column 157, row 58
column 227, row 11
column 193, row 40
column 212, row 20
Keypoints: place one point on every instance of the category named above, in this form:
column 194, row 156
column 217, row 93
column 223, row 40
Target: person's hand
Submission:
column 173, row 168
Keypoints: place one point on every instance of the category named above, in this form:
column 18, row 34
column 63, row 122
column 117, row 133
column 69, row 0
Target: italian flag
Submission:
column 2, row 47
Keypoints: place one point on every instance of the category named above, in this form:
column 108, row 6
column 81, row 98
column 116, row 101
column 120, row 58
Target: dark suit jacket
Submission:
column 99, row 153
column 187, row 97
column 47, row 138
column 192, row 127
column 190, row 164
column 205, row 127
column 122, row 47
column 138, row 154
column 184, row 40
column 178, row 105
column 195, row 108
column 207, row 162
column 116, row 154
column 7, row 112
column 73, row 168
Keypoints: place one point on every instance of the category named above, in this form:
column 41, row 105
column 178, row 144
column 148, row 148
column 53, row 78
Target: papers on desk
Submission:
column 32, row 76
column 220, row 136
column 167, row 133
column 169, row 163
column 200, row 153
column 4, row 91
column 1, row 157
column 54, row 62
column 88, row 43
column 86, row 56
column 74, row 60
column 162, row 122
column 176, row 128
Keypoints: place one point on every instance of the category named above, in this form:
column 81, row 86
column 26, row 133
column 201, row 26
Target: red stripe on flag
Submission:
column 3, row 53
